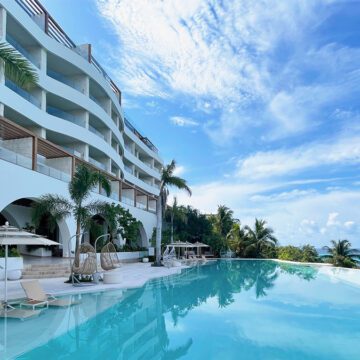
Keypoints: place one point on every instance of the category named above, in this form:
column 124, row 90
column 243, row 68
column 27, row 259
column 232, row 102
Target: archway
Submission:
column 97, row 228
column 142, row 239
column 19, row 214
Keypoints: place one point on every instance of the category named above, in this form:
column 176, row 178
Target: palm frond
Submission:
column 55, row 205
column 179, row 183
column 17, row 68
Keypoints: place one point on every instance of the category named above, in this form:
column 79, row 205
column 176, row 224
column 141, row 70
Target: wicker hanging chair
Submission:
column 87, row 264
column 109, row 259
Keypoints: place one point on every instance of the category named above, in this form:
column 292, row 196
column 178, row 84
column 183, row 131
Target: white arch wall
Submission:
column 17, row 182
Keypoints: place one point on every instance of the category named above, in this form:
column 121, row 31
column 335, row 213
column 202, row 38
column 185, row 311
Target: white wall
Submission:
column 17, row 182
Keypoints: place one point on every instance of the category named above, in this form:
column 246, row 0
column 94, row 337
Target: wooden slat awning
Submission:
column 50, row 151
column 10, row 131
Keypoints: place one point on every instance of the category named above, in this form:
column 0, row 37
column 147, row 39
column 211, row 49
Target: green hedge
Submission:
column 306, row 253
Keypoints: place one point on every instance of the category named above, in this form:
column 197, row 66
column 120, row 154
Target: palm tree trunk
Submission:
column 172, row 227
column 158, row 230
column 78, row 230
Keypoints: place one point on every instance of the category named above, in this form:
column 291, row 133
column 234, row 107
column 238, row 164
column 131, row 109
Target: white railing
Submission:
column 97, row 163
column 55, row 173
column 96, row 132
column 73, row 151
column 15, row 158
column 23, row 93
column 127, row 200
column 63, row 79
column 129, row 169
column 141, row 205
column 114, row 196
column 65, row 115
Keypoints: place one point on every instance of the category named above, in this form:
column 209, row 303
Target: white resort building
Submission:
column 73, row 116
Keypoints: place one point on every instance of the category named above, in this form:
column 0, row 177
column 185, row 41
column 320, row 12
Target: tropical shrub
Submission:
column 341, row 254
column 306, row 253
column 12, row 252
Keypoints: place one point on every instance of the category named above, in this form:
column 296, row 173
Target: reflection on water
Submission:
column 212, row 311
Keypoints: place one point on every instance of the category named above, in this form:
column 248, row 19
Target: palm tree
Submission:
column 341, row 253
column 236, row 239
column 80, row 187
column 167, row 179
column 176, row 213
column 223, row 220
column 260, row 239
column 17, row 68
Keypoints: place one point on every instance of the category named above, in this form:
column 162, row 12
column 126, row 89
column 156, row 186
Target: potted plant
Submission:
column 15, row 264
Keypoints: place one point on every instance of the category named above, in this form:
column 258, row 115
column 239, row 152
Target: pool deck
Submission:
column 133, row 275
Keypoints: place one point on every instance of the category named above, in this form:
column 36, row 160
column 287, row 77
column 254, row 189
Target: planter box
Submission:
column 15, row 266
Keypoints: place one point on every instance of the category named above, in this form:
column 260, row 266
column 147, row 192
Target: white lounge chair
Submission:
column 15, row 313
column 36, row 296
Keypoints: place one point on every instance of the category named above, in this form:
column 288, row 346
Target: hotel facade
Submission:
column 74, row 116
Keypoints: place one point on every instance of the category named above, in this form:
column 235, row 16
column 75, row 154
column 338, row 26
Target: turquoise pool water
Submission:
column 223, row 310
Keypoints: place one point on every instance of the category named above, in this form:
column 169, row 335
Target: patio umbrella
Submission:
column 199, row 245
column 10, row 235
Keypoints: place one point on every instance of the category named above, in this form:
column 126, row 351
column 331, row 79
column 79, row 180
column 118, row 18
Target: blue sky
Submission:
column 257, row 101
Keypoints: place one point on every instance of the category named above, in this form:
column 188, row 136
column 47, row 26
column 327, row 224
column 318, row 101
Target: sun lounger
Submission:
column 37, row 297
column 20, row 314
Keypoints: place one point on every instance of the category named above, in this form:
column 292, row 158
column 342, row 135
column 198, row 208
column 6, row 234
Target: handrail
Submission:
column 144, row 139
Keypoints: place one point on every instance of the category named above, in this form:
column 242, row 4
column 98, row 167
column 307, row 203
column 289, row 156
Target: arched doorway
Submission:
column 19, row 214
column 97, row 228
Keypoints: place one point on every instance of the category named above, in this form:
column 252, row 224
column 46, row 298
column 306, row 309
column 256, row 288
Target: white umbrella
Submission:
column 10, row 235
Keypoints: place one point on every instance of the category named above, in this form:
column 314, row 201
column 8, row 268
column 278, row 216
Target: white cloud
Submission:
column 179, row 170
column 222, row 54
column 349, row 224
column 183, row 121
column 332, row 219
column 344, row 150
column 298, row 220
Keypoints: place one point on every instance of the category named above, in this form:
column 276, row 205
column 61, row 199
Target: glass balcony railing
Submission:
column 22, row 92
column 97, row 101
column 73, row 151
column 16, row 45
column 141, row 205
column 15, row 158
column 96, row 132
column 97, row 163
column 55, row 173
column 129, row 148
column 62, row 78
column 65, row 115
column 114, row 196
column 129, row 169
column 127, row 200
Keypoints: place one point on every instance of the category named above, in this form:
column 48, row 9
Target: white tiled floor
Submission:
column 133, row 275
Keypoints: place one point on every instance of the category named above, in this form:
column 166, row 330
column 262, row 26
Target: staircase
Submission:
column 40, row 271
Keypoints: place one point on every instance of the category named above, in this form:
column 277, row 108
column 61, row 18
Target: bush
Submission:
column 130, row 248
column 291, row 253
column 307, row 253
column 13, row 252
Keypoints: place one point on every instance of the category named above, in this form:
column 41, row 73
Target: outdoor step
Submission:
column 38, row 267
column 45, row 273
column 65, row 275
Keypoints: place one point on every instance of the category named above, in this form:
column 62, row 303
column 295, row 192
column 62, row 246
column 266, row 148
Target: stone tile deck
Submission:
column 133, row 275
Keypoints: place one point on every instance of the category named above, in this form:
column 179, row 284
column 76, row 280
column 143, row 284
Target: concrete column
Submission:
column 43, row 60
column 2, row 24
column 43, row 100
column 108, row 136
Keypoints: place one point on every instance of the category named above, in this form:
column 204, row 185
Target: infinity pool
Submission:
column 222, row 310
